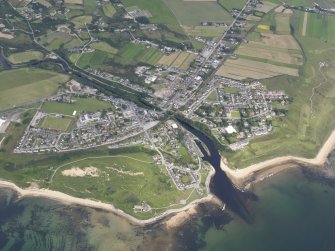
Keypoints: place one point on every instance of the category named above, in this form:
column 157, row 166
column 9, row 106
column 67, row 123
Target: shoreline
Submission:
column 242, row 178
column 253, row 173
column 75, row 201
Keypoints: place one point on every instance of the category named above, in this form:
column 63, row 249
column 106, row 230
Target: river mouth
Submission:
column 220, row 185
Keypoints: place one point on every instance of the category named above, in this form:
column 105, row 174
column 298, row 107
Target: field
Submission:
column 181, row 60
column 235, row 4
column 204, row 31
column 308, row 124
column 44, row 3
column 192, row 13
column 103, row 46
column 54, row 39
column 73, row 2
column 241, row 69
column 24, row 57
column 81, row 105
column 321, row 27
column 133, row 53
column 108, row 9
column 266, row 54
column 80, row 21
column 26, row 85
column 161, row 14
column 56, row 123
column 92, row 59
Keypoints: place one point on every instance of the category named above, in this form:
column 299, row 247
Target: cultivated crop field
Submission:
column 192, row 13
column 133, row 53
column 92, row 59
column 204, row 31
column 309, row 121
column 181, row 60
column 26, row 85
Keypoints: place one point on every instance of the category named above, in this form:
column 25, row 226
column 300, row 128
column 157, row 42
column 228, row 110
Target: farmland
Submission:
column 229, row 5
column 92, row 59
column 207, row 11
column 103, row 46
column 308, row 124
column 26, row 85
column 23, row 57
column 181, row 60
column 204, row 31
column 133, row 53
column 79, row 105
column 161, row 14
column 266, row 54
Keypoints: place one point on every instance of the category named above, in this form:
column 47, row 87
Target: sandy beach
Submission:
column 269, row 167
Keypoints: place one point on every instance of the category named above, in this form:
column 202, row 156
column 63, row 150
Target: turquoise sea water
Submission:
column 293, row 211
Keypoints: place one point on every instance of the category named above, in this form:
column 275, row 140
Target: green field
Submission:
column 307, row 125
column 161, row 14
column 234, row 4
column 133, row 53
column 56, row 123
column 108, row 9
column 103, row 46
column 24, row 57
column 80, row 105
column 26, row 85
column 321, row 27
column 92, row 59
column 193, row 13
column 80, row 21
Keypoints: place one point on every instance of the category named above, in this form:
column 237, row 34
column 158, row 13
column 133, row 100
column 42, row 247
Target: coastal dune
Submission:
column 241, row 177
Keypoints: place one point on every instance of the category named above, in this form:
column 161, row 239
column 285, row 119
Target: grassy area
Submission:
column 108, row 9
column 307, row 126
column 56, row 123
column 92, row 59
column 124, row 179
column 26, row 85
column 213, row 96
column 194, row 12
column 321, row 27
column 133, row 53
column 80, row 105
column 15, row 131
column 204, row 31
column 161, row 14
column 105, row 47
column 80, row 21
column 24, row 57
column 235, row 4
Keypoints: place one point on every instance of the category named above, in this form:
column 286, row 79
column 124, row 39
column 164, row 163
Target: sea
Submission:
column 293, row 210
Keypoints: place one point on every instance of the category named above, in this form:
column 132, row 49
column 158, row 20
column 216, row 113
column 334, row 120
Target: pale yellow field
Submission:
column 6, row 36
column 73, row 1
column 168, row 59
column 280, row 56
column 204, row 31
column 254, row 69
column 188, row 61
column 277, row 41
column 181, row 60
